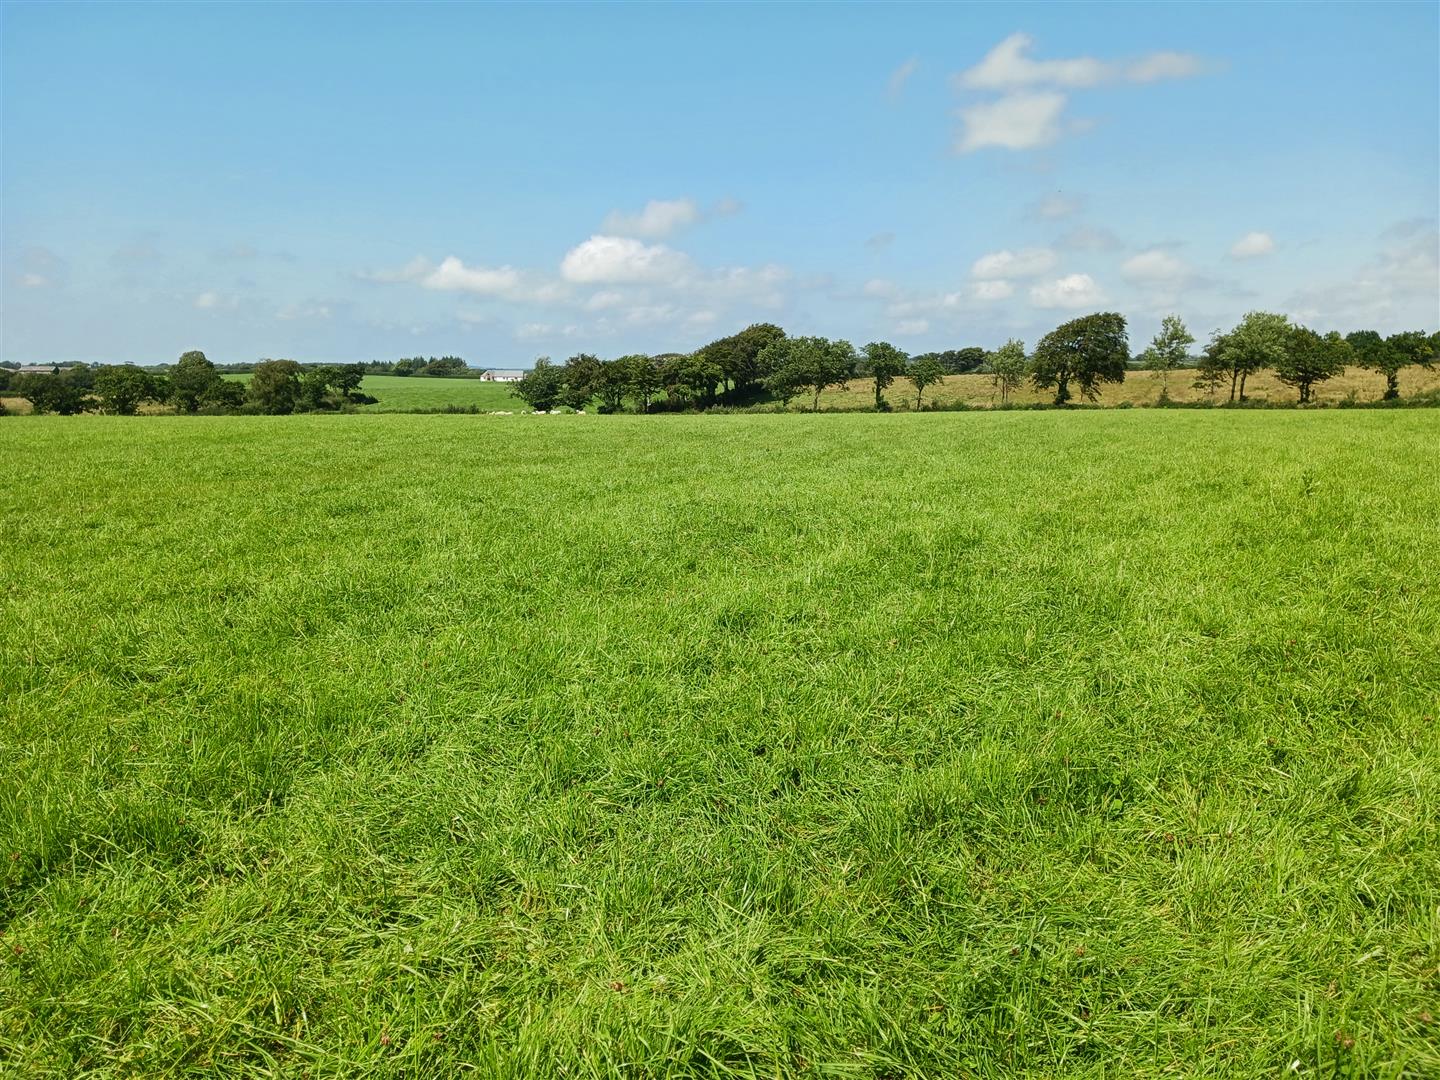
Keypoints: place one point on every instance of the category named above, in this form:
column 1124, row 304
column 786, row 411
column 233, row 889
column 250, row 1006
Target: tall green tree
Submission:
column 641, row 377
column 738, row 356
column 542, row 385
column 1008, row 366
column 1258, row 342
column 123, row 388
column 1085, row 351
column 884, row 362
column 924, row 371
column 275, row 387
column 1169, row 349
column 446, row 367
column 807, row 365
column 1393, row 355
column 192, row 381
column 64, row 393
column 690, row 379
column 1310, row 358
column 582, row 374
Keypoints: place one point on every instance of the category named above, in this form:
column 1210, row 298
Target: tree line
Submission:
column 193, row 385
column 761, row 362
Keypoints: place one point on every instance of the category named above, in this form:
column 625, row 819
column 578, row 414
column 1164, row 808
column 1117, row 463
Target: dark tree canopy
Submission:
column 738, row 356
column 122, row 388
column 542, row 386
column 192, row 381
column 275, row 386
column 924, row 371
column 1085, row 351
column 883, row 363
column 1258, row 342
column 1310, row 358
column 808, row 364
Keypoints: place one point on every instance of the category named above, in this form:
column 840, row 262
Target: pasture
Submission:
column 410, row 393
column 1008, row 744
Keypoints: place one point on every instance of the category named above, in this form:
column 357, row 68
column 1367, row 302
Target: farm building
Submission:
column 37, row 369
column 503, row 375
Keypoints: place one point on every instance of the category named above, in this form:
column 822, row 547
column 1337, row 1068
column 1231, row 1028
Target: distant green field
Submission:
column 402, row 393
column 1040, row 744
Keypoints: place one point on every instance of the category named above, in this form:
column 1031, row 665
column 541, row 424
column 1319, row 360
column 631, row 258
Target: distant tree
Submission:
column 1393, row 355
column 329, row 386
column 1168, row 350
column 807, row 364
column 1008, row 367
column 641, row 378
column 1086, row 351
column 276, row 387
column 64, row 393
column 542, row 385
column 223, row 396
column 612, row 385
column 406, row 366
column 738, row 356
column 690, row 378
column 1310, row 358
column 582, row 375
column 924, row 371
column 192, row 379
column 446, row 367
column 957, row 361
column 1258, row 342
column 123, row 388
column 7, row 375
column 884, row 362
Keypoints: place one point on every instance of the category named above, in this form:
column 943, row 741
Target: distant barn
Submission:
column 503, row 375
column 37, row 369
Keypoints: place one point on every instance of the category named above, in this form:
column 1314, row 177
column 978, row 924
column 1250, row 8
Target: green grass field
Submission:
column 1048, row 744
column 407, row 393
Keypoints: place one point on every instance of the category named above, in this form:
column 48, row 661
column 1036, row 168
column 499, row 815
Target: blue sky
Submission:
column 351, row 182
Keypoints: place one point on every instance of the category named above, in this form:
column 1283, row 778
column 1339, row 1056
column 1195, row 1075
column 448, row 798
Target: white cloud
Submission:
column 213, row 301
column 879, row 287
column 619, row 260
column 660, row 217
column 1070, row 291
column 910, row 327
column 649, row 314
column 1031, row 262
column 452, row 275
column 1154, row 267
column 899, row 77
column 1014, row 122
column 1397, row 290
column 1164, row 65
column 993, row 290
column 606, row 298
column 1007, row 67
column 1055, row 206
column 34, row 281
column 1252, row 245
column 533, row 330
column 880, row 241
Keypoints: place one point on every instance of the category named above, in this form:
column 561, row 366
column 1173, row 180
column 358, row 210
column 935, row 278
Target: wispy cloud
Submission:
column 895, row 86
